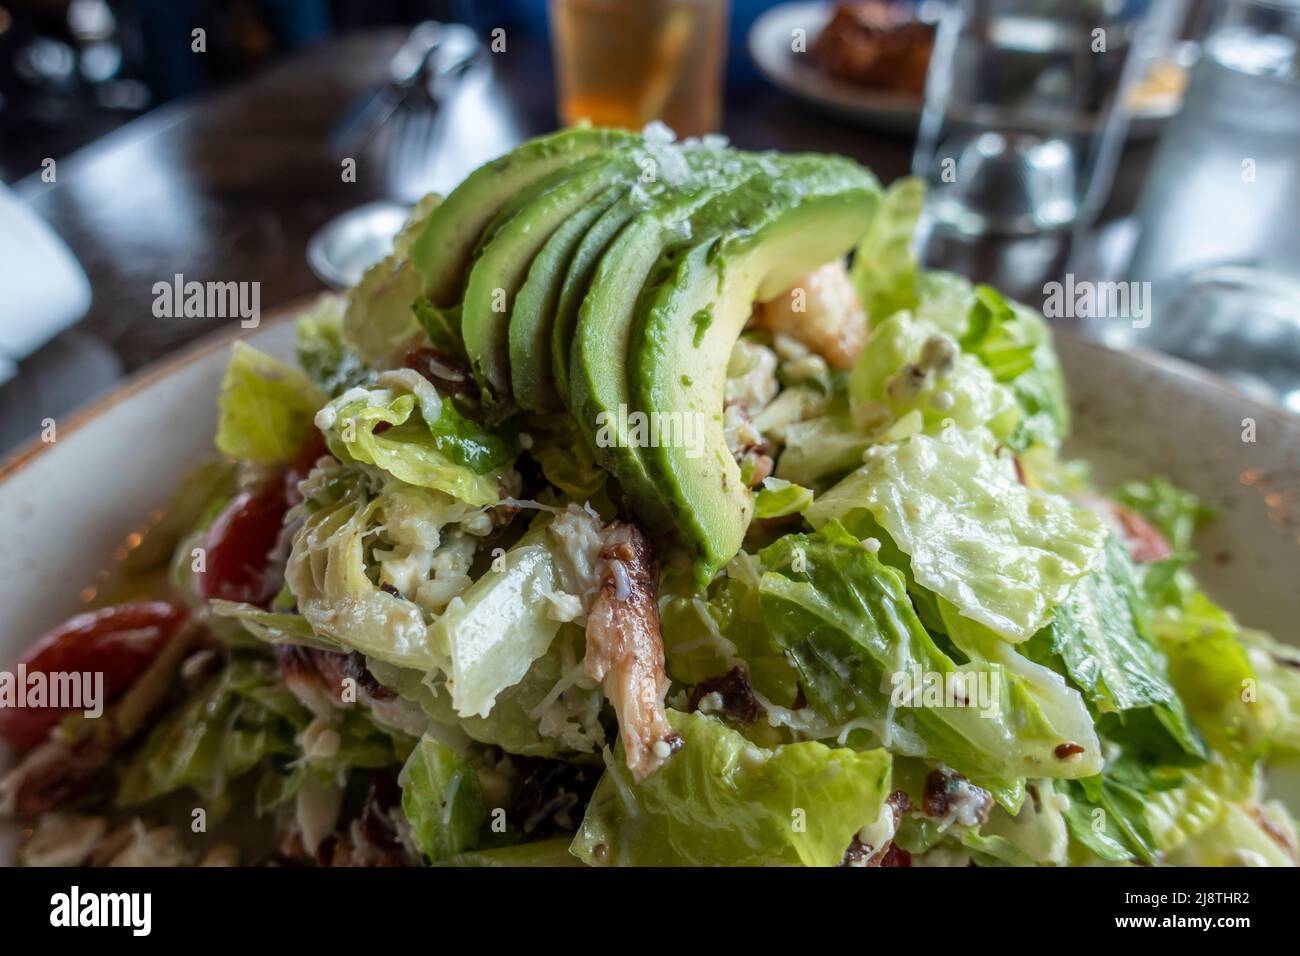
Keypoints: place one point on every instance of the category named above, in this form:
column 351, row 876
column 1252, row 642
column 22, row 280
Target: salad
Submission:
column 649, row 505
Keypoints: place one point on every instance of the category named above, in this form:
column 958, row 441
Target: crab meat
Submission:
column 625, row 651
column 820, row 311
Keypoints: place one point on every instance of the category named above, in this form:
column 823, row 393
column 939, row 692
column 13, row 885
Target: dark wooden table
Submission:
column 230, row 189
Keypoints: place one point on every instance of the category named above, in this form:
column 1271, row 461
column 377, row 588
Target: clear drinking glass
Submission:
column 1021, row 130
column 1218, row 217
column 627, row 62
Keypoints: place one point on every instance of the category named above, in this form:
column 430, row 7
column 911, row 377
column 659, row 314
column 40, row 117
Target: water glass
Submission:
column 1022, row 121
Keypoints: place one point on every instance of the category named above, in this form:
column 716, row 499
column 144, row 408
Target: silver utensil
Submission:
column 405, row 119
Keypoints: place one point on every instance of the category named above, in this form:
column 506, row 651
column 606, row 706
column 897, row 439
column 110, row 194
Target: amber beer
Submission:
column 627, row 62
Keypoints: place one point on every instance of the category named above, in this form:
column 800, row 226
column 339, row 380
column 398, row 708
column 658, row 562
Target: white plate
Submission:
column 770, row 40
column 65, row 506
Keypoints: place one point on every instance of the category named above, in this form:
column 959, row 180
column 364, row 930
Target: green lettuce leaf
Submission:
column 324, row 355
column 442, row 800
column 884, row 269
column 380, row 323
column 1107, row 812
column 430, row 447
column 1101, row 639
column 546, row 713
column 890, row 380
column 722, row 801
column 266, row 408
column 705, row 635
column 779, row 498
column 547, row 853
column 219, row 734
column 1277, row 667
column 823, row 448
column 1237, row 838
column 441, row 325
column 1005, row 556
column 488, row 637
column 1213, row 672
column 848, row 626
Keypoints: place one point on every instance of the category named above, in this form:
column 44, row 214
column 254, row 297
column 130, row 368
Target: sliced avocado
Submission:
column 443, row 249
column 577, row 279
column 530, row 194
column 533, row 315
column 765, row 237
column 502, row 266
column 582, row 267
column 598, row 395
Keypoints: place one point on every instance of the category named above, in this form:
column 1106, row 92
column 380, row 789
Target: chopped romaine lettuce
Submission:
column 489, row 636
column 1002, row 554
column 822, row 449
column 398, row 432
column 266, row 408
column 442, row 800
column 907, row 366
column 548, row 853
column 1213, row 673
column 552, row 710
column 219, row 734
column 1175, row 513
column 1101, row 639
column 379, row 323
column 324, row 355
column 884, row 269
column 779, row 498
column 722, row 801
column 866, row 663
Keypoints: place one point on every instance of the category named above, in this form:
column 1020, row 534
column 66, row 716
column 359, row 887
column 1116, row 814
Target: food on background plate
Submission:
column 649, row 505
column 875, row 43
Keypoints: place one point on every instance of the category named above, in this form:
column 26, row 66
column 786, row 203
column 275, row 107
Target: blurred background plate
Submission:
column 771, row 37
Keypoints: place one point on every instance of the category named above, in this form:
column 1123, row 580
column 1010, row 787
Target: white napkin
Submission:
column 42, row 287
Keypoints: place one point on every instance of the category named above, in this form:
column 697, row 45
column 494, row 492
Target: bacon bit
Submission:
column 314, row 675
column 355, row 667
column 736, row 692
column 52, row 775
column 949, row 795
column 625, row 650
column 861, row 854
column 1067, row 750
column 895, row 856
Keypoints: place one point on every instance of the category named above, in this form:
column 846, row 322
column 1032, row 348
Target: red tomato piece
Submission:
column 118, row 642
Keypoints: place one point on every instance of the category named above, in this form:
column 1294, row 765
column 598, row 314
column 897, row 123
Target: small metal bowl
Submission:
column 349, row 244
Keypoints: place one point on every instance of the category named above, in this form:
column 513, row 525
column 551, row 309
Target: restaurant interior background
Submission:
column 1169, row 167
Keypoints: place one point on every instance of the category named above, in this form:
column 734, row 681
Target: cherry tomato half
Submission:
column 118, row 642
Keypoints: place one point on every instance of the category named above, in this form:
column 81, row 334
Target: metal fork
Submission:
column 418, row 122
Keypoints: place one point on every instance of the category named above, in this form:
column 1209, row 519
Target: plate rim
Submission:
column 84, row 415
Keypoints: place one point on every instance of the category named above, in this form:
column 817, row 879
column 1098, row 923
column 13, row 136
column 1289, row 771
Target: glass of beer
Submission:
column 626, row 62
